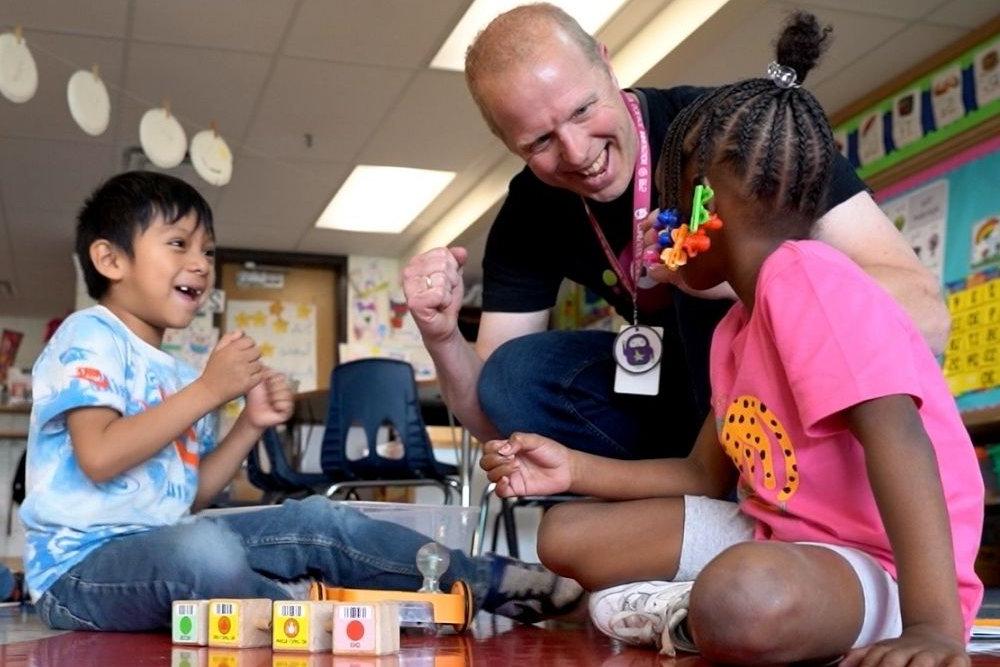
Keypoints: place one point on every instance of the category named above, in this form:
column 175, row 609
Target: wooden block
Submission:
column 193, row 656
column 365, row 629
column 373, row 660
column 239, row 623
column 189, row 622
column 302, row 626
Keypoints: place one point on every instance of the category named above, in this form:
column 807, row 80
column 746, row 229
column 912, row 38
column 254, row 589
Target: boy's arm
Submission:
column 529, row 464
column 269, row 403
column 107, row 444
column 891, row 432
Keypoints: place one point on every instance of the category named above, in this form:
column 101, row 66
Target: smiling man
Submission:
column 547, row 90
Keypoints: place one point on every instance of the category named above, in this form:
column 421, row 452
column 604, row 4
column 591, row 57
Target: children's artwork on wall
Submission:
column 906, row 112
column 378, row 322
column 986, row 242
column 986, row 72
column 10, row 341
column 946, row 96
column 921, row 216
column 285, row 332
column 958, row 199
column 871, row 139
column 192, row 345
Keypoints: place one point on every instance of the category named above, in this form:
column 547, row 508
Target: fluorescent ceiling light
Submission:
column 382, row 199
column 590, row 14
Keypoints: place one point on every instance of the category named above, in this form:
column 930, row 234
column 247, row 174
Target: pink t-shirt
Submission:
column 823, row 337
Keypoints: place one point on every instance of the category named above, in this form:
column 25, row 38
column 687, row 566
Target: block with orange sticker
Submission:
column 365, row 629
column 239, row 623
column 302, row 626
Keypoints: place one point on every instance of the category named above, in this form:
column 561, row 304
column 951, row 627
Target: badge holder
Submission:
column 638, row 351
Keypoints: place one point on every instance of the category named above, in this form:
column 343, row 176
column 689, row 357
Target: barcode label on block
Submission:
column 359, row 613
column 223, row 608
column 291, row 610
column 185, row 609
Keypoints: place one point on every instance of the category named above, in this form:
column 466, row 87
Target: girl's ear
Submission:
column 108, row 259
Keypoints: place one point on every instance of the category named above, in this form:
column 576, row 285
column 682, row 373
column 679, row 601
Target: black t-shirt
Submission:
column 542, row 235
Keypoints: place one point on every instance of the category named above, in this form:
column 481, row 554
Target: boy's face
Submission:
column 167, row 278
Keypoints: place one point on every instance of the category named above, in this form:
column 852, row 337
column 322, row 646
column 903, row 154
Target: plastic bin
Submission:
column 452, row 525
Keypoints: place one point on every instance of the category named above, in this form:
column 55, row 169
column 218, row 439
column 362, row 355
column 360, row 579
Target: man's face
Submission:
column 564, row 116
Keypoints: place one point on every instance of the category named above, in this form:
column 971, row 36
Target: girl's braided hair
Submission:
column 776, row 139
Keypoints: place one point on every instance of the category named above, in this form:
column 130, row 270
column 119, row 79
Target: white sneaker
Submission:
column 644, row 613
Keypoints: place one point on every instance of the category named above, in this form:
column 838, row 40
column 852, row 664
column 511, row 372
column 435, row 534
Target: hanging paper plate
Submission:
column 211, row 157
column 18, row 74
column 162, row 138
column 88, row 102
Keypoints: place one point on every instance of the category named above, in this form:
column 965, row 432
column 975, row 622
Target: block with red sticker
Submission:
column 365, row 629
column 239, row 623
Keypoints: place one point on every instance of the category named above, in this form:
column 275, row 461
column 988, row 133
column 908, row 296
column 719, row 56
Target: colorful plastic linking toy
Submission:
column 679, row 242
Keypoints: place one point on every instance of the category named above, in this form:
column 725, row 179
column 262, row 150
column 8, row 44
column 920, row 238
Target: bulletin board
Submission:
column 950, row 213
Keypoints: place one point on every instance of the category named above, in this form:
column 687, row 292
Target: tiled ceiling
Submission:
column 303, row 90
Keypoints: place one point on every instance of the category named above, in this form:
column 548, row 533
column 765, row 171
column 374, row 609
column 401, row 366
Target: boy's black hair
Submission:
column 777, row 139
column 123, row 207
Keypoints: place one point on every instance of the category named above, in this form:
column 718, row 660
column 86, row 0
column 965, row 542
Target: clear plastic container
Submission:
column 452, row 525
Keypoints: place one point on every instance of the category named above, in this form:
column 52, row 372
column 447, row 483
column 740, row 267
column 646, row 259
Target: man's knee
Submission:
column 207, row 555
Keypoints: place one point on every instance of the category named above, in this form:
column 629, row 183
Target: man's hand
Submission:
column 269, row 403
column 233, row 368
column 433, row 286
column 527, row 464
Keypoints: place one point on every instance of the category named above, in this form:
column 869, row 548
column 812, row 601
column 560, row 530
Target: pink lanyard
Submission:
column 640, row 207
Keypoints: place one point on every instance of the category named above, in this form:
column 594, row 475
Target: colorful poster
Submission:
column 972, row 358
column 986, row 242
column 871, row 138
column 946, row 96
column 906, row 112
column 10, row 341
column 986, row 73
column 286, row 334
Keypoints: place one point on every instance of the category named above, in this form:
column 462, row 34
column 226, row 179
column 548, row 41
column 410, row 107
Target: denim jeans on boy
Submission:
column 560, row 384
column 129, row 583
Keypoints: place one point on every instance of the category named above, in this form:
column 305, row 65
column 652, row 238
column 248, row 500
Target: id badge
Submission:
column 638, row 351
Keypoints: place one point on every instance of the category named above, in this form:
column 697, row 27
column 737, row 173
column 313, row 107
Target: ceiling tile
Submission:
column 379, row 32
column 102, row 18
column 202, row 85
column 296, row 194
column 967, row 14
column 897, row 9
column 57, row 57
column 743, row 37
column 242, row 25
column 412, row 135
column 336, row 242
column 51, row 175
column 338, row 106
column 883, row 64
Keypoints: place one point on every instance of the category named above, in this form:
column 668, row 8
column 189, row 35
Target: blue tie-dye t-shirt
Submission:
column 95, row 360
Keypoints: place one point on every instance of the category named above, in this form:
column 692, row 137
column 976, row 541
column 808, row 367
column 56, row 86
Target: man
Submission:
column 546, row 89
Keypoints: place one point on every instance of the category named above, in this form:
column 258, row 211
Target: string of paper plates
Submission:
column 161, row 135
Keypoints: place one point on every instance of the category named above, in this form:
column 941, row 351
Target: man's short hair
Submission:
column 123, row 207
column 514, row 37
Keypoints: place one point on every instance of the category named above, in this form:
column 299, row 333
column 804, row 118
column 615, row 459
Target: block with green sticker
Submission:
column 189, row 622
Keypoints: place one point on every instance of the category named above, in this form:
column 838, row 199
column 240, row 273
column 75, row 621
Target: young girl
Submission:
column 860, row 504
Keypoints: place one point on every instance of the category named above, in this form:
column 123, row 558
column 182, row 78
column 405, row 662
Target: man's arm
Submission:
column 859, row 229
column 433, row 285
column 459, row 364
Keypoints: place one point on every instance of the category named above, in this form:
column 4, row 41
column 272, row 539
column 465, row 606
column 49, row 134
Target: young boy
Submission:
column 122, row 451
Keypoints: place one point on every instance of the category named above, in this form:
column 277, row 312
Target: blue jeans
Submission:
column 561, row 384
column 129, row 583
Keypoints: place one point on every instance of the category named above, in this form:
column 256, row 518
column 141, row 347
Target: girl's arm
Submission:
column 903, row 471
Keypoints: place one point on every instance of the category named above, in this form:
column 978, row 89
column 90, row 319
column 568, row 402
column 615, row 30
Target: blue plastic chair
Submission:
column 278, row 480
column 378, row 396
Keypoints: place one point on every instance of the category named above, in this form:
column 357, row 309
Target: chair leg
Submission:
column 479, row 538
column 510, row 530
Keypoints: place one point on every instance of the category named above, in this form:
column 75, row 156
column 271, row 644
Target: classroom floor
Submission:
column 492, row 641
